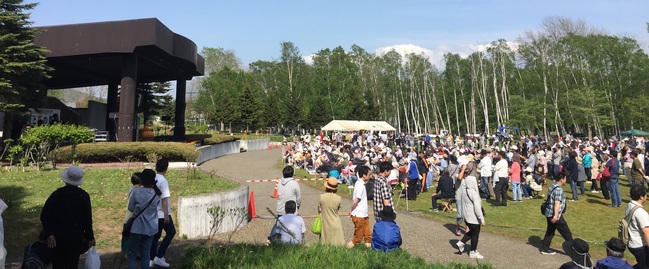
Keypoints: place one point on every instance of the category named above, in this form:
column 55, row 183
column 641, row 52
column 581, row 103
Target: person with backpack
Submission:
column 638, row 226
column 613, row 166
column 571, row 170
column 556, row 206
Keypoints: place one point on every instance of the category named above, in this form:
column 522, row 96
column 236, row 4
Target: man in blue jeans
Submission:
column 613, row 165
column 164, row 218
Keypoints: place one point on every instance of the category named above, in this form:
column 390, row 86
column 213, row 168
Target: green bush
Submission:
column 219, row 138
column 129, row 152
column 312, row 256
column 41, row 142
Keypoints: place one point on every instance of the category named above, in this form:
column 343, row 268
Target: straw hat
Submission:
column 331, row 184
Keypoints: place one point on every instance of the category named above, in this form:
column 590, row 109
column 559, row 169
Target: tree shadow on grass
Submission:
column 21, row 226
column 118, row 260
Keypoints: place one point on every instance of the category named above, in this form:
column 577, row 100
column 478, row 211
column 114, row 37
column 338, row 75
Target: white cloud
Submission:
column 308, row 59
column 436, row 55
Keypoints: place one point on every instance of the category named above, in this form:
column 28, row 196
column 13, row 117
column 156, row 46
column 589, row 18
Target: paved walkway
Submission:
column 423, row 237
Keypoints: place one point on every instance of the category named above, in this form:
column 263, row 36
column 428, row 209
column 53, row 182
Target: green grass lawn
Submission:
column 590, row 218
column 312, row 256
column 26, row 192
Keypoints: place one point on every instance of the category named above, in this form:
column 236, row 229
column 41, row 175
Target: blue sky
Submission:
column 254, row 29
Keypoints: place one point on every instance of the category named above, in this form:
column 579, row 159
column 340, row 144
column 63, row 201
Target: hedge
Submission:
column 129, row 152
column 219, row 138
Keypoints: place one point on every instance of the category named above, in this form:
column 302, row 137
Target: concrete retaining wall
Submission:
column 256, row 144
column 223, row 149
column 194, row 221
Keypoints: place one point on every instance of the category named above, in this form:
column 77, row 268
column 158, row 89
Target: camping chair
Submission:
column 447, row 204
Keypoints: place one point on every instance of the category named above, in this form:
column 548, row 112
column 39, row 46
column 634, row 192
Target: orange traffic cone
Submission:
column 269, row 146
column 275, row 195
column 276, row 146
column 251, row 206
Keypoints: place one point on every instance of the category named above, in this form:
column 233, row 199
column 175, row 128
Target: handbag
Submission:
column 126, row 229
column 606, row 174
column 316, row 228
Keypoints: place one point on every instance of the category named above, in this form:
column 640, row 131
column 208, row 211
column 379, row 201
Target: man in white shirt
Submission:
column 486, row 171
column 638, row 226
column 359, row 211
column 291, row 226
column 501, row 179
column 164, row 217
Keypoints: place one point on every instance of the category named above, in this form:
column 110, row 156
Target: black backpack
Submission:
column 369, row 189
column 31, row 259
column 566, row 164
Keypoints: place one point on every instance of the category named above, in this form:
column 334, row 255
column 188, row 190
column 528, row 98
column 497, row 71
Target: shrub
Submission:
column 219, row 138
column 130, row 151
column 42, row 142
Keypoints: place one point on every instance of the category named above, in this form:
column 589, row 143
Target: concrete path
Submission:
column 423, row 237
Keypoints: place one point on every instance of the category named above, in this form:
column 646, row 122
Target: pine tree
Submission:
column 22, row 64
column 154, row 99
column 250, row 108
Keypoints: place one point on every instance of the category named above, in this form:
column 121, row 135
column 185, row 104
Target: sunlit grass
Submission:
column 26, row 192
column 312, row 256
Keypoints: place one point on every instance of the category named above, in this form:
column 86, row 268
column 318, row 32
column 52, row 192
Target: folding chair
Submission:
column 447, row 204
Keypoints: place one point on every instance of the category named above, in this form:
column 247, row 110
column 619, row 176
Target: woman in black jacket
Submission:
column 573, row 169
column 67, row 220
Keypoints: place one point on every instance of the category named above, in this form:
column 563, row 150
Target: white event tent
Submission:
column 354, row 125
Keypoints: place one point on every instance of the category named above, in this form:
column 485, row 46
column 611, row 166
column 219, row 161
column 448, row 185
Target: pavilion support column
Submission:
column 128, row 94
column 179, row 128
column 111, row 107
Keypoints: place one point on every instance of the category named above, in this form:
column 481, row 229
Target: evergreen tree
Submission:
column 154, row 100
column 22, row 64
column 250, row 108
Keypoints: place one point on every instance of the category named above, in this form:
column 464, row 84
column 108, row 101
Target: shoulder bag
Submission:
column 126, row 230
column 545, row 204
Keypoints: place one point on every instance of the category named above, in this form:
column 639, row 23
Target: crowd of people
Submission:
column 482, row 169
column 473, row 172
column 384, row 236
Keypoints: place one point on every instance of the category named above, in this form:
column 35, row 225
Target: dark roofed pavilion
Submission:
column 121, row 53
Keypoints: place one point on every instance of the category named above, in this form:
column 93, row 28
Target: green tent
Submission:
column 635, row 132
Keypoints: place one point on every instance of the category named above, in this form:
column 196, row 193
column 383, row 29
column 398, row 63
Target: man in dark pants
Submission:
column 445, row 186
column 164, row 218
column 554, row 215
column 413, row 178
column 501, row 171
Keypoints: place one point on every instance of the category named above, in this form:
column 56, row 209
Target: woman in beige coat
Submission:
column 329, row 205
